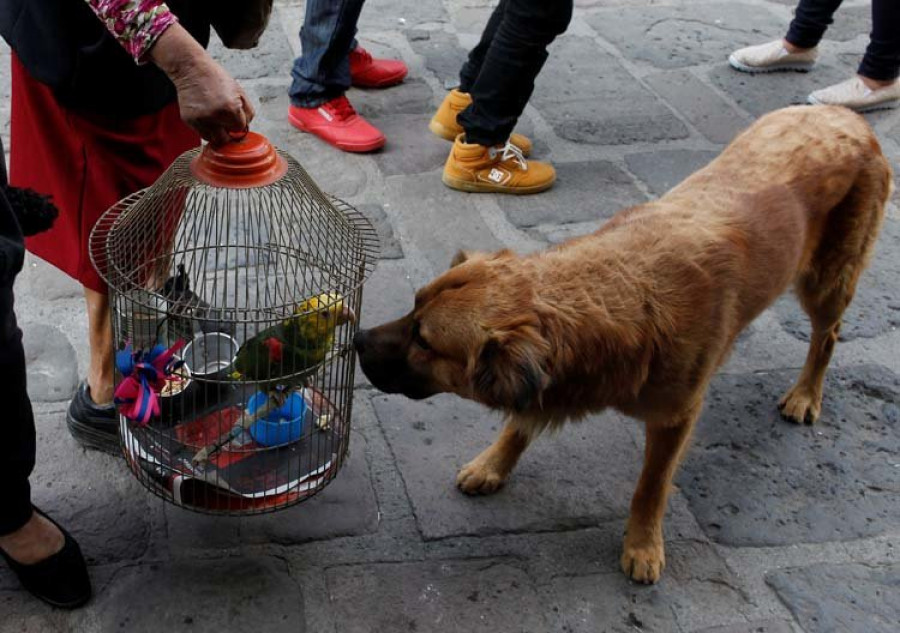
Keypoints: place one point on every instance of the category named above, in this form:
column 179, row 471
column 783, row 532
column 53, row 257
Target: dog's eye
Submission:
column 418, row 339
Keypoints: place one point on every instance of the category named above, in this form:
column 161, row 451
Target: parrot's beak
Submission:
column 346, row 315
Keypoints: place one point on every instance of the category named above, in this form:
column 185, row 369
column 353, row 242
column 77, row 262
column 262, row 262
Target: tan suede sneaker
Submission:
column 444, row 124
column 856, row 95
column 772, row 57
column 500, row 169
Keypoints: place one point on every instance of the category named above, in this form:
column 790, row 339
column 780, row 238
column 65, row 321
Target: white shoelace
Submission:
column 511, row 152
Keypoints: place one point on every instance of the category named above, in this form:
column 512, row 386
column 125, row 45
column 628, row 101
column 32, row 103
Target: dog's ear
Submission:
column 466, row 256
column 511, row 370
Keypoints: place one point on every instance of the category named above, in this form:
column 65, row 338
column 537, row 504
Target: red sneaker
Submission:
column 338, row 124
column 367, row 72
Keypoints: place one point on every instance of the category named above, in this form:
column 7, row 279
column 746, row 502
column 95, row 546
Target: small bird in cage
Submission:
column 280, row 356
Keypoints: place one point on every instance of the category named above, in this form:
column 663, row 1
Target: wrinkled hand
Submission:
column 210, row 100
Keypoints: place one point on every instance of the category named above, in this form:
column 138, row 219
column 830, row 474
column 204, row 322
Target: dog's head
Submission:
column 473, row 332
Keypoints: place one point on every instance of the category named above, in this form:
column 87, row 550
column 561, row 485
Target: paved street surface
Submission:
column 773, row 528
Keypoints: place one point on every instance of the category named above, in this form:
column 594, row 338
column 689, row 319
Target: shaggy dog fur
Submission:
column 639, row 315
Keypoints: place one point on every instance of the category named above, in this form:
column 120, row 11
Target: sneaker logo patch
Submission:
column 496, row 175
column 325, row 114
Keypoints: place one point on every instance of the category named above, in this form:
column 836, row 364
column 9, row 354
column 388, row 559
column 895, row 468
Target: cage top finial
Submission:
column 248, row 160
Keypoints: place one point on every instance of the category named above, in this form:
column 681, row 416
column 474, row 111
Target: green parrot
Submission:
column 296, row 344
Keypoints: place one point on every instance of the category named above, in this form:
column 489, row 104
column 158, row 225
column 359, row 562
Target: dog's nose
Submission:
column 360, row 339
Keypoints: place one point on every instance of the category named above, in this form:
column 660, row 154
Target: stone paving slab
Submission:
column 558, row 484
column 231, row 594
column 51, row 361
column 585, row 191
column 443, row 56
column 754, row 479
column 662, row 170
column 851, row 598
column 438, row 597
column 591, row 98
column 687, row 35
column 699, row 104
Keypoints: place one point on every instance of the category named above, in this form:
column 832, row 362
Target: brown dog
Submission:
column 639, row 315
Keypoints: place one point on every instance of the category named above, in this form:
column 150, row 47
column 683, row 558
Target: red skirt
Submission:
column 86, row 163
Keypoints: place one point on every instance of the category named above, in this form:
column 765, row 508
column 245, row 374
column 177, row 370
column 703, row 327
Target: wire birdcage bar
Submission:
column 235, row 305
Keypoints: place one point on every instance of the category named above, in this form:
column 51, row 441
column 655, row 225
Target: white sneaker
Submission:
column 856, row 95
column 772, row 57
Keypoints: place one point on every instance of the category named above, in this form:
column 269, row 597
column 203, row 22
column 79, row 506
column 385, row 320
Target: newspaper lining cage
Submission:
column 235, row 287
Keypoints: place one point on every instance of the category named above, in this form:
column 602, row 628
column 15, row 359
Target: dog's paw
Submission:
column 644, row 563
column 800, row 406
column 478, row 478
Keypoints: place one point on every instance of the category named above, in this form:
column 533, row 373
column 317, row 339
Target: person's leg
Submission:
column 100, row 370
column 811, row 20
column 511, row 64
column 470, row 69
column 322, row 72
column 881, row 62
column 25, row 536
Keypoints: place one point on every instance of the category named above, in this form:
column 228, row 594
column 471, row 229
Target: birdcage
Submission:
column 235, row 288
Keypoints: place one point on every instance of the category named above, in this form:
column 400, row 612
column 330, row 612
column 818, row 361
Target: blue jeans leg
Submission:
column 322, row 72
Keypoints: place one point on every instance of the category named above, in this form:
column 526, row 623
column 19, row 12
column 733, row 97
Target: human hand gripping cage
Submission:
column 235, row 289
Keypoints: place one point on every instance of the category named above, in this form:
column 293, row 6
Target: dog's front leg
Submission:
column 488, row 472
column 643, row 556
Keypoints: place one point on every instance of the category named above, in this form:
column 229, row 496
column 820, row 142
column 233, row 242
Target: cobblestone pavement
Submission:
column 773, row 527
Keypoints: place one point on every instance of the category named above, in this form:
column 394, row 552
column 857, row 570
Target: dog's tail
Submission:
column 34, row 212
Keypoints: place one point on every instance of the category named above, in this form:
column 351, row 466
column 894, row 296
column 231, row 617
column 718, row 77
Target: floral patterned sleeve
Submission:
column 135, row 23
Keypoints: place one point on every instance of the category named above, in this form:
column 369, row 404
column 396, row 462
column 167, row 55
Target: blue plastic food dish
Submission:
column 279, row 426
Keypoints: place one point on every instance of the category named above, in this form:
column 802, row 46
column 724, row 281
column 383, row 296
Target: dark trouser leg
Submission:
column 516, row 54
column 327, row 37
column 16, row 419
column 469, row 72
column 882, row 59
column 811, row 20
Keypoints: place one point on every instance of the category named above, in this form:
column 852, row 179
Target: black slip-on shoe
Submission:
column 93, row 426
column 61, row 580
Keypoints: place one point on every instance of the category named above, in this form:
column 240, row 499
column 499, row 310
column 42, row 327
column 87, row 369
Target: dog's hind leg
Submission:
column 826, row 287
column 488, row 472
column 643, row 554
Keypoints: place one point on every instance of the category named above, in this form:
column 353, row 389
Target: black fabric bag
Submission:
column 240, row 23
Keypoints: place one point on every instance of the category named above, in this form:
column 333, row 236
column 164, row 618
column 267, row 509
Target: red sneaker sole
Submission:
column 369, row 146
column 384, row 82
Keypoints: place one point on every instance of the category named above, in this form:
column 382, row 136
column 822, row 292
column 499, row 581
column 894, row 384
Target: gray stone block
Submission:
column 583, row 192
column 663, row 169
column 767, row 626
column 390, row 245
column 696, row 590
column 410, row 148
column 443, row 55
column 685, row 35
column 52, row 282
column 699, row 104
column 51, row 363
column 233, row 594
column 413, row 96
column 851, row 598
column 438, row 220
column 875, row 309
column 581, row 476
column 587, row 96
column 273, row 57
column 346, row 507
column 93, row 495
column 762, row 93
column 400, row 15
column 439, row 597
column 850, row 23
column 753, row 479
